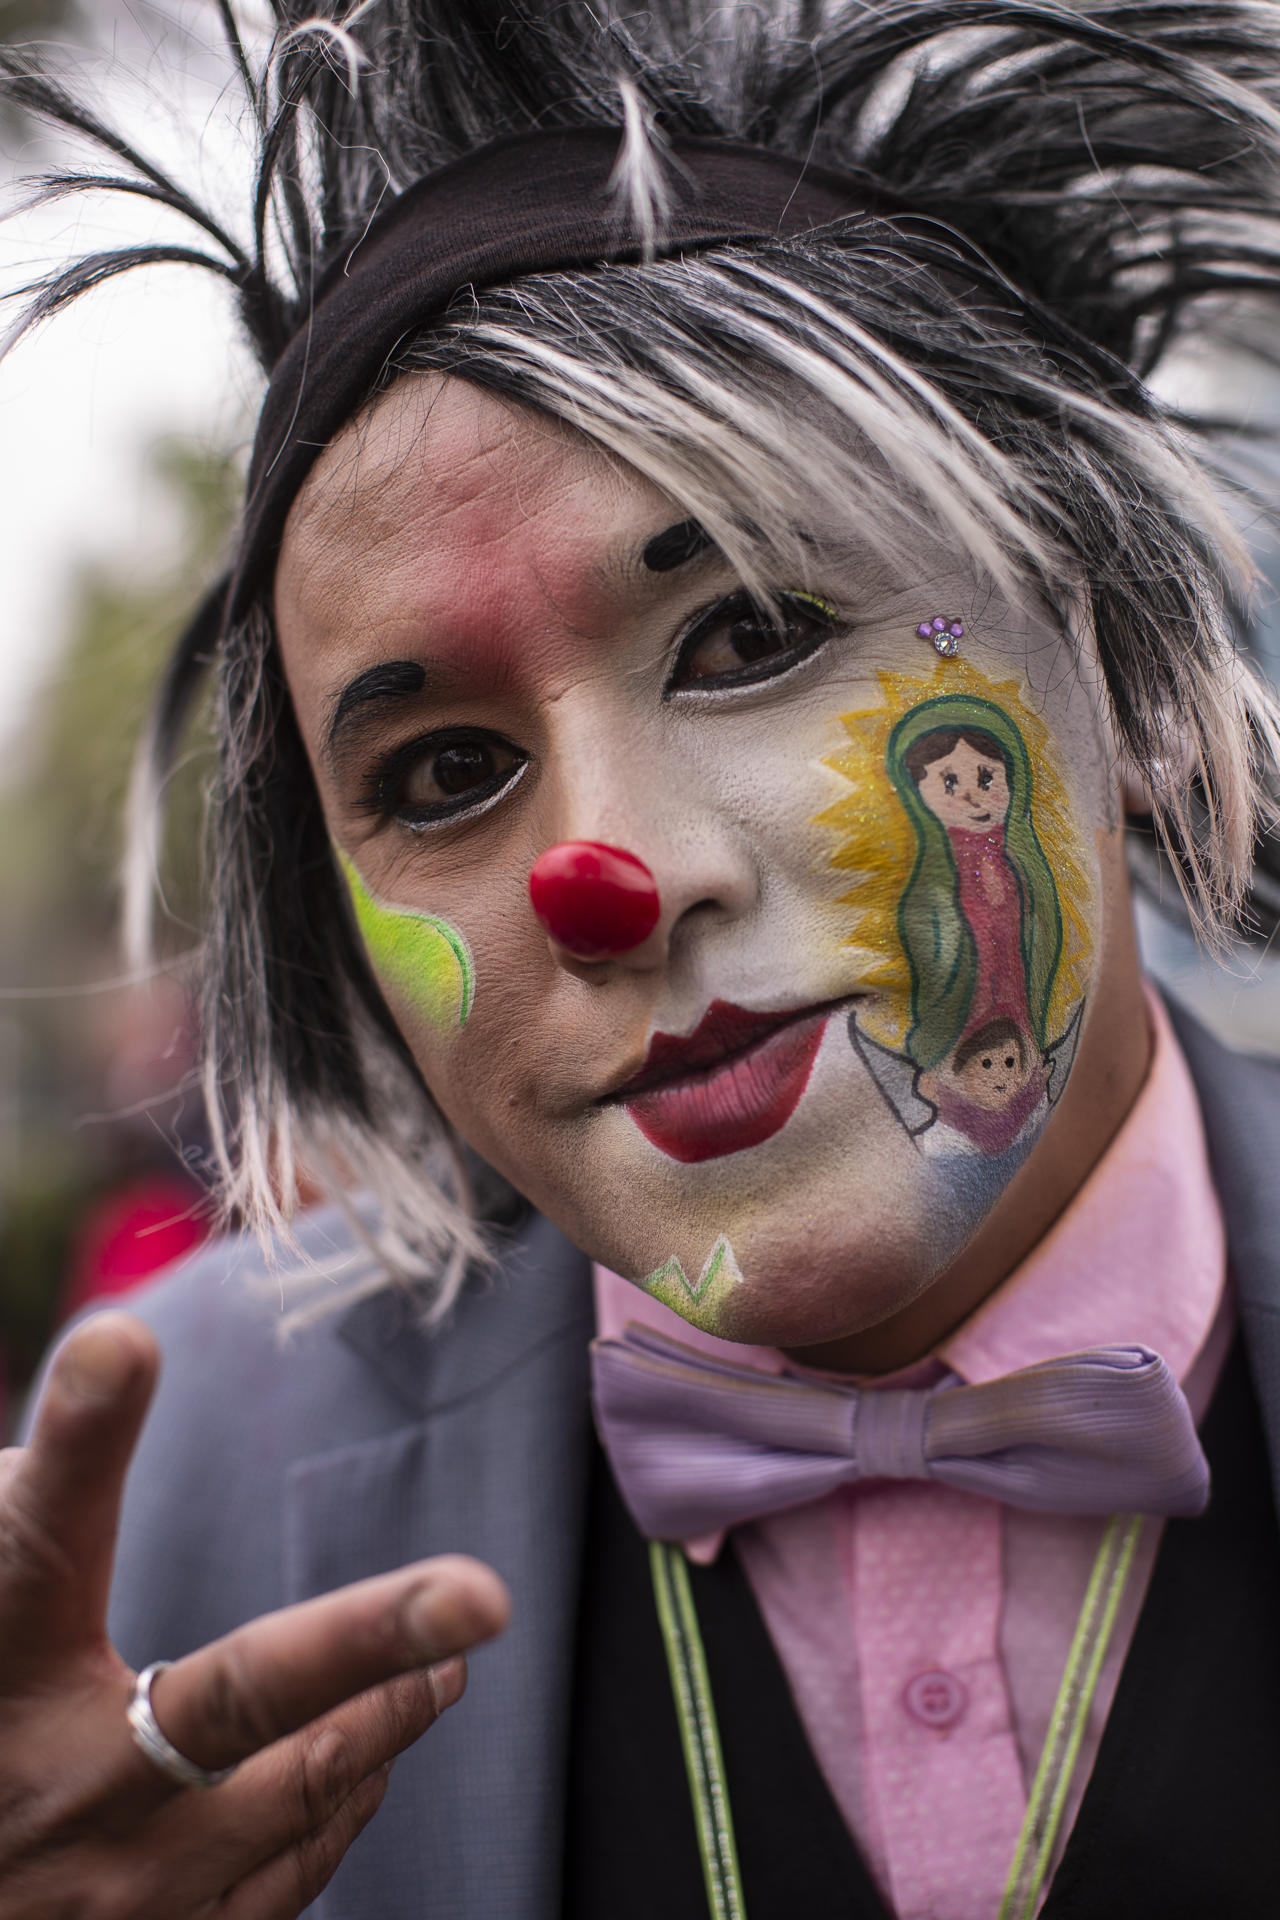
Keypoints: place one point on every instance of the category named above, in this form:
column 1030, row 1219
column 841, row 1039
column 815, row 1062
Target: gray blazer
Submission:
column 270, row 1473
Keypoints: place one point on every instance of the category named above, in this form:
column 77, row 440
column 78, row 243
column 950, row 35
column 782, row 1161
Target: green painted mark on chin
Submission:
column 424, row 960
column 700, row 1300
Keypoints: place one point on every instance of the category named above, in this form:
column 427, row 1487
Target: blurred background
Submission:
column 124, row 427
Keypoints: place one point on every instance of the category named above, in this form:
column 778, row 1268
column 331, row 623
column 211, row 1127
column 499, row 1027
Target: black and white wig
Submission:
column 1101, row 183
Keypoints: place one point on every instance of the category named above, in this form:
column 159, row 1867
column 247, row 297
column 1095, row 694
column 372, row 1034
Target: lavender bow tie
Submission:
column 698, row 1444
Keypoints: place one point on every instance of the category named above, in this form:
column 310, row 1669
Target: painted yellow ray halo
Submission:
column 877, row 846
column 422, row 959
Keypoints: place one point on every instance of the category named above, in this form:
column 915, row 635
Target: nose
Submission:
column 595, row 901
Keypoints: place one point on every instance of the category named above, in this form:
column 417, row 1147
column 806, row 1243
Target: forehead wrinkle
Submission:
column 390, row 447
column 379, row 502
column 410, row 518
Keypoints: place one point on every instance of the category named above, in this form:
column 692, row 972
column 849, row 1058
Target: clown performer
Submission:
column 714, row 572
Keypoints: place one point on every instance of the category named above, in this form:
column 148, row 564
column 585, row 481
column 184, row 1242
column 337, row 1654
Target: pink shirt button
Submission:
column 936, row 1699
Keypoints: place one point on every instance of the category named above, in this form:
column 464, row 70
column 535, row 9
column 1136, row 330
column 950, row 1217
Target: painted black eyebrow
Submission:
column 674, row 546
column 389, row 680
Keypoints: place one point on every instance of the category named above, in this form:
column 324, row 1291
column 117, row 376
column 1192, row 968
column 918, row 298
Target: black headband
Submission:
column 533, row 203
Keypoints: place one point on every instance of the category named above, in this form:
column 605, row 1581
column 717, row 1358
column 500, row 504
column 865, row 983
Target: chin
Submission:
column 830, row 1227
column 835, row 1293
column 792, row 1276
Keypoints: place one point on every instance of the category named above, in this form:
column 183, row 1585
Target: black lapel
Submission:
column 1178, row 1821
column 1240, row 1101
column 631, row 1851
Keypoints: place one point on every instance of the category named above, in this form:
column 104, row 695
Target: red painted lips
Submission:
column 731, row 1083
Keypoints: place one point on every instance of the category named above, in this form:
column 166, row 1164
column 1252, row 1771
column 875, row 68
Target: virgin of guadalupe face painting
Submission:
column 988, row 1087
column 992, row 929
column 962, row 779
column 499, row 643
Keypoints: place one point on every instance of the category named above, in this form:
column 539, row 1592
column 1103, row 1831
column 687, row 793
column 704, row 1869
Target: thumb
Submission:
column 60, row 1496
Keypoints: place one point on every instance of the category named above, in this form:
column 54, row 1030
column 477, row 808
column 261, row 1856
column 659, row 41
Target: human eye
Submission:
column 443, row 776
column 985, row 777
column 739, row 641
column 950, row 781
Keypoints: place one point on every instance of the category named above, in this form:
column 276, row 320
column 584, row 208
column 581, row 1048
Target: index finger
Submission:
column 269, row 1678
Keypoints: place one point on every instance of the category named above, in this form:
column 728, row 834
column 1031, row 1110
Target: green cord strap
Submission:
column 699, row 1734
column 1061, row 1750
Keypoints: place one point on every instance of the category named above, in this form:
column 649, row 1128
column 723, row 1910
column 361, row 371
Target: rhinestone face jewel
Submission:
column 946, row 635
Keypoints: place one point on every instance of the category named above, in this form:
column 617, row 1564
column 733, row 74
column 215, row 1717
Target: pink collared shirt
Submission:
column 924, row 1631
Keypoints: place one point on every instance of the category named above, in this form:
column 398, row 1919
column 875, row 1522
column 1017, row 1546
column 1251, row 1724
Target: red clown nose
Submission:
column 594, row 901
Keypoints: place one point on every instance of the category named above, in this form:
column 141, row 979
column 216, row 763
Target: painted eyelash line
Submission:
column 377, row 799
column 789, row 595
column 744, row 596
column 464, row 814
column 704, row 620
column 373, row 797
column 812, row 600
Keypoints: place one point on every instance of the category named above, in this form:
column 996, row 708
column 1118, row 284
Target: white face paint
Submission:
column 761, row 1109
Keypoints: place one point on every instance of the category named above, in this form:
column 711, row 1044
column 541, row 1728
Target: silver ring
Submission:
column 161, row 1752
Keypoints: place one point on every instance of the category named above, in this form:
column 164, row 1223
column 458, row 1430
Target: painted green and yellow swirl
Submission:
column 418, row 957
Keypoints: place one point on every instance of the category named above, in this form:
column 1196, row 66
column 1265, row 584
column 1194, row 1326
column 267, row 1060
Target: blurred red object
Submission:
column 132, row 1233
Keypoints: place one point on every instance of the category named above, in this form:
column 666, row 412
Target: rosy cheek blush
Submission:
column 422, row 960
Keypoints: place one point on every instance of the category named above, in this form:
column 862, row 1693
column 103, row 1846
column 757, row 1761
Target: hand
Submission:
column 315, row 1701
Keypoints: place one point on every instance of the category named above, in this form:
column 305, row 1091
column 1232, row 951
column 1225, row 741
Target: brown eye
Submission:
column 444, row 775
column 985, row 777
column 460, row 771
column 460, row 768
column 738, row 642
